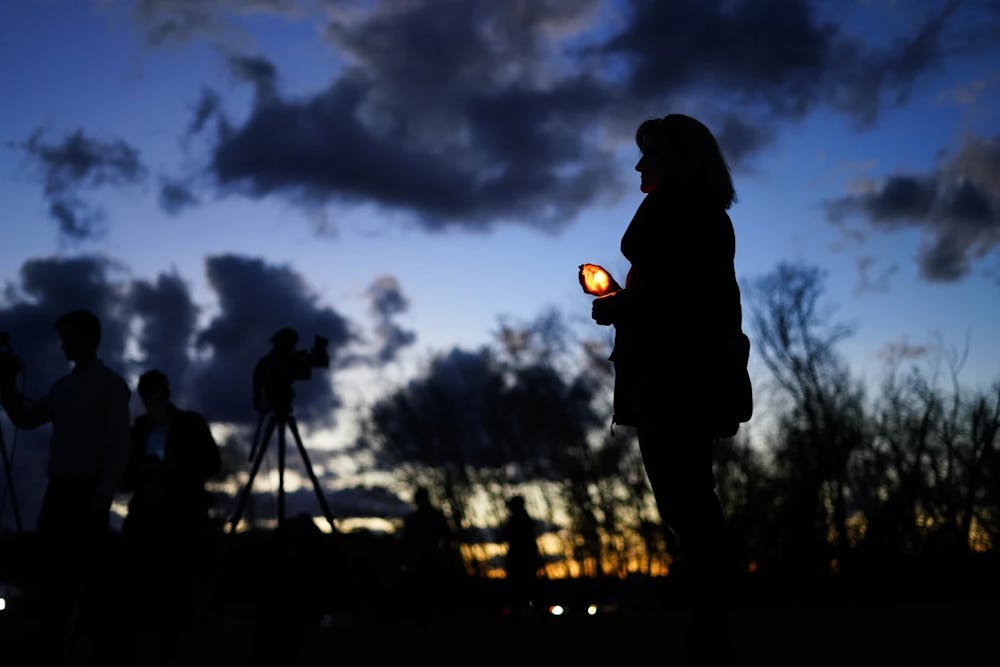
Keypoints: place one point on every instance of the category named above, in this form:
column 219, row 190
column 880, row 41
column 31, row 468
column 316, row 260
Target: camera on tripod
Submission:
column 284, row 364
column 10, row 363
column 273, row 377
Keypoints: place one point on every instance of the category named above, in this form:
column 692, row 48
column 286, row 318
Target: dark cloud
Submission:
column 862, row 77
column 77, row 220
column 175, row 197
column 454, row 113
column 388, row 301
column 513, row 155
column 779, row 59
column 167, row 319
column 76, row 163
column 259, row 72
column 770, row 52
column 168, row 21
column 256, row 299
column 209, row 106
column 468, row 115
column 956, row 207
column 740, row 138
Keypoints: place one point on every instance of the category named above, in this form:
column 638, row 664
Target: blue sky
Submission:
column 401, row 175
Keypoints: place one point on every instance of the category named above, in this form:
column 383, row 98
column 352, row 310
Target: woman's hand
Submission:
column 605, row 310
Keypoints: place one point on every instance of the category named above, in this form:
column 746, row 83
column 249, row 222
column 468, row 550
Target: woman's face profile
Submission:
column 650, row 168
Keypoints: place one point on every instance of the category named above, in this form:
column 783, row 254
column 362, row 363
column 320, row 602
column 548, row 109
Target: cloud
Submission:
column 388, row 301
column 955, row 207
column 477, row 114
column 168, row 21
column 76, row 163
column 512, row 155
column 260, row 73
column 176, row 196
column 167, row 319
column 458, row 115
column 769, row 52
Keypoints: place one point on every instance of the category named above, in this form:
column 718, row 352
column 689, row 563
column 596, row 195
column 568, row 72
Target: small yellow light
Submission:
column 595, row 280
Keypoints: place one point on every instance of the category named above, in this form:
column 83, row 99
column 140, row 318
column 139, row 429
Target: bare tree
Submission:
column 823, row 422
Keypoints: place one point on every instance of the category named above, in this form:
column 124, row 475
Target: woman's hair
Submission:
column 703, row 169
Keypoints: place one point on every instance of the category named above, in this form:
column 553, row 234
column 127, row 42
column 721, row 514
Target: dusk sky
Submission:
column 397, row 176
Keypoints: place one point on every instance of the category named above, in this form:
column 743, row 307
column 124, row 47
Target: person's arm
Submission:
column 118, row 420
column 23, row 412
column 209, row 458
column 615, row 308
column 130, row 477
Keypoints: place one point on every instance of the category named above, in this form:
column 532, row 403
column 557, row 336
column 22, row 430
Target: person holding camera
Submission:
column 284, row 364
column 88, row 409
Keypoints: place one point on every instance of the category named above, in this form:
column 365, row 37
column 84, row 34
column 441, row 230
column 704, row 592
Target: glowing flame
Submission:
column 596, row 281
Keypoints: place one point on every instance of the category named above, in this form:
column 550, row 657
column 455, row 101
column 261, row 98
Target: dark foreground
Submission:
column 347, row 607
column 895, row 635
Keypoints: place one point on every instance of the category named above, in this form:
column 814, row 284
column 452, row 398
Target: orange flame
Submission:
column 596, row 281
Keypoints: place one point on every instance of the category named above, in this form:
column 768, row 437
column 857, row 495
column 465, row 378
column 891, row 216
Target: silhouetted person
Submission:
column 276, row 371
column 88, row 409
column 173, row 455
column 680, row 353
column 523, row 558
column 427, row 545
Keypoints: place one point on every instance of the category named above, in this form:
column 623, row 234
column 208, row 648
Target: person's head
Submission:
column 154, row 391
column 680, row 152
column 515, row 504
column 421, row 497
column 79, row 333
column 285, row 339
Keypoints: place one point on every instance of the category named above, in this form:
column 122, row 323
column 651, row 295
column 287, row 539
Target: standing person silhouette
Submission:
column 523, row 559
column 680, row 354
column 88, row 409
column 173, row 455
column 429, row 554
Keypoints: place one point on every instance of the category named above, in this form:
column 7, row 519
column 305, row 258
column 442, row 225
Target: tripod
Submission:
column 9, row 483
column 279, row 419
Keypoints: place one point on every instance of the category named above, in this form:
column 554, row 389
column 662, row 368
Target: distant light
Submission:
column 3, row 604
column 592, row 610
column 556, row 610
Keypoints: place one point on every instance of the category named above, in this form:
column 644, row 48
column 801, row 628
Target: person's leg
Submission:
column 678, row 461
column 56, row 581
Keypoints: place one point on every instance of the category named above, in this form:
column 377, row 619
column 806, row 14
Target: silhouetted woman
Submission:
column 680, row 353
